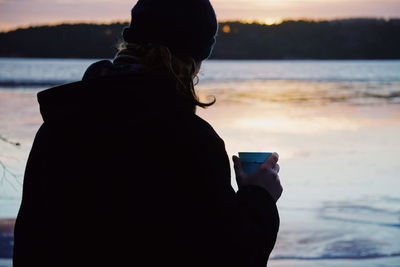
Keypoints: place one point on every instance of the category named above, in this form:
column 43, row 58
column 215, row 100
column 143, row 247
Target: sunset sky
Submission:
column 15, row 13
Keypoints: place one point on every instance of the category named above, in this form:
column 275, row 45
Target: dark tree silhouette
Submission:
column 337, row 39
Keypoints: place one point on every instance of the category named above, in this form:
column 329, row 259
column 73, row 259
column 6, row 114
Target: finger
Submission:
column 271, row 161
column 237, row 165
column 276, row 168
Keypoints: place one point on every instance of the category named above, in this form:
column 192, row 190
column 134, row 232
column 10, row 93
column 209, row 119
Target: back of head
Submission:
column 186, row 27
column 172, row 36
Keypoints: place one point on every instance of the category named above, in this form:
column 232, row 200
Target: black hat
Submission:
column 186, row 27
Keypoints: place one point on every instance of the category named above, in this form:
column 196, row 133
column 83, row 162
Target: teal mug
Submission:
column 252, row 160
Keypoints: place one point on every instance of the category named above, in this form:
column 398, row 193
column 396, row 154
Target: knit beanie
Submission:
column 186, row 27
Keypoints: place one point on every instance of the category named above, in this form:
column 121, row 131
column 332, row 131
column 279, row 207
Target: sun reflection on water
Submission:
column 303, row 92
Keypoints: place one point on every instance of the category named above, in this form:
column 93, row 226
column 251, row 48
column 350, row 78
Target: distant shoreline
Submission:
column 346, row 39
column 210, row 59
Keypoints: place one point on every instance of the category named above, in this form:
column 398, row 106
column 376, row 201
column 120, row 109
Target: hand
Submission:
column 266, row 176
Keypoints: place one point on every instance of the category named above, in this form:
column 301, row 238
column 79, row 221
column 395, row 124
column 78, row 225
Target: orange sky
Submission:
column 14, row 13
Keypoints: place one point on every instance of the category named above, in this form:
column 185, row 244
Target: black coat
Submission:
column 123, row 173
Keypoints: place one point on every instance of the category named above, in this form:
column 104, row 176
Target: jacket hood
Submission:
column 113, row 95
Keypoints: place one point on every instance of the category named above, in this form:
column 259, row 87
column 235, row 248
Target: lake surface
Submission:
column 335, row 124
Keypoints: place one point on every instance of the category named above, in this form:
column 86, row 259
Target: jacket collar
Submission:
column 115, row 95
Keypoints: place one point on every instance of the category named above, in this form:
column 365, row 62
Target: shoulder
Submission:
column 97, row 69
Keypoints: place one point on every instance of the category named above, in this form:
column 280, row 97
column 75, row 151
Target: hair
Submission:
column 155, row 57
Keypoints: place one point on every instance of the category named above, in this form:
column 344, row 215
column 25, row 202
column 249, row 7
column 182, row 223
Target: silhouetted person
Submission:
column 124, row 173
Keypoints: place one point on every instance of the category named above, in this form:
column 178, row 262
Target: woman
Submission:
column 122, row 171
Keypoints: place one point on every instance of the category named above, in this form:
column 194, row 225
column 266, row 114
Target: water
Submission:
column 335, row 125
column 31, row 72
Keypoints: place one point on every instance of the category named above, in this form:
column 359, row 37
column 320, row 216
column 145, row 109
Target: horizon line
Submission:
column 268, row 22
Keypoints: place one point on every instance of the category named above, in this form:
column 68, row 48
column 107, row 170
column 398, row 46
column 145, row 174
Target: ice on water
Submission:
column 335, row 125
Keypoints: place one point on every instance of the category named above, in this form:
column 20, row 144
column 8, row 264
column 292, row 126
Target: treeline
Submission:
column 337, row 39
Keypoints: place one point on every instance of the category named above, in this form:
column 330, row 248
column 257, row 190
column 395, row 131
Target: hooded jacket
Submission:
column 122, row 172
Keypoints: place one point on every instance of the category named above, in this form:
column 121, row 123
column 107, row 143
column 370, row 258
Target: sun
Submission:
column 266, row 21
column 271, row 21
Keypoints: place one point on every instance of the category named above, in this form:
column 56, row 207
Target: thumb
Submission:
column 237, row 165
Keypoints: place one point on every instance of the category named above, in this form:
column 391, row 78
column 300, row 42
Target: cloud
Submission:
column 258, row 9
